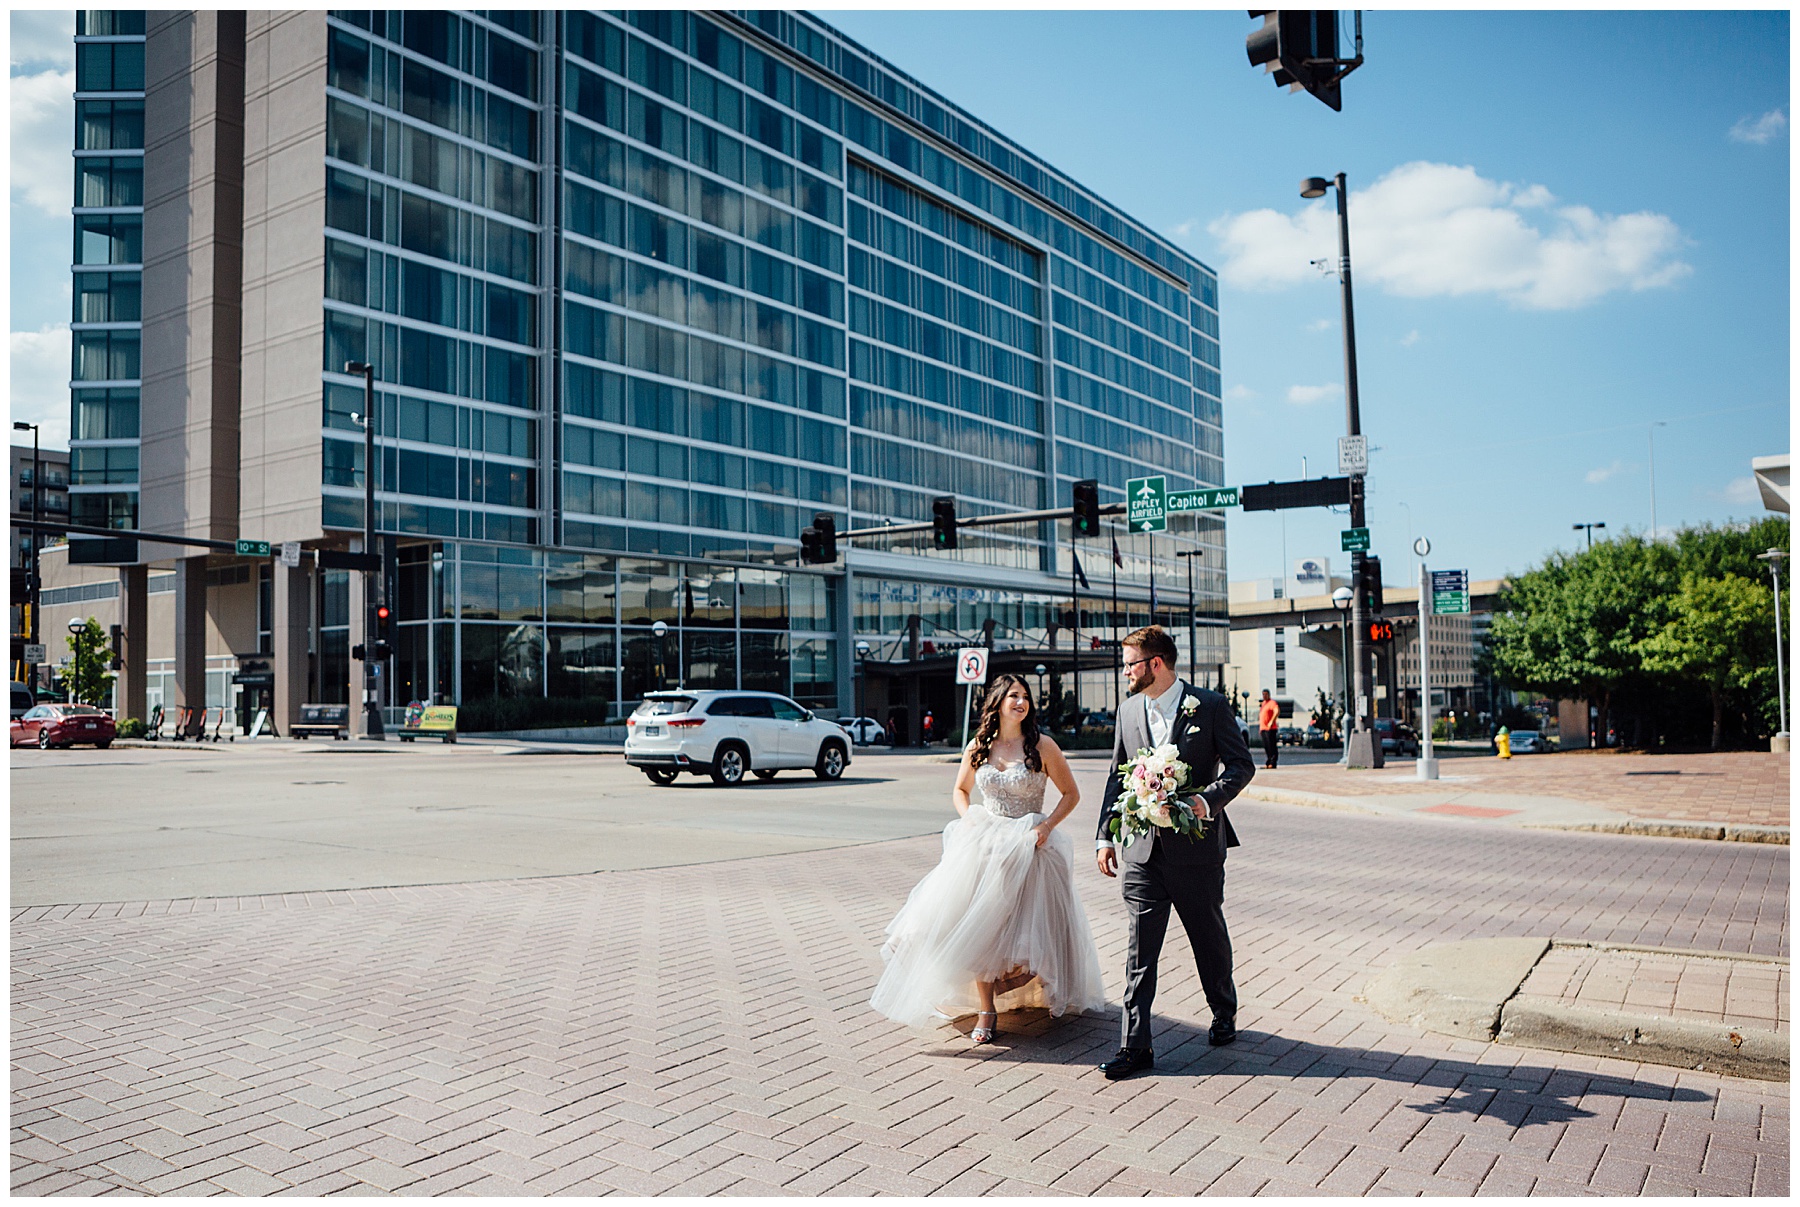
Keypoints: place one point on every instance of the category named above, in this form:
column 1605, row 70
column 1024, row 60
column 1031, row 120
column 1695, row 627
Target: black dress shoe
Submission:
column 1127, row 1062
column 1224, row 1030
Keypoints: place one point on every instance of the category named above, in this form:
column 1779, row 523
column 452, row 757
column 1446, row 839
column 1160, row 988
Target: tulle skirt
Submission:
column 995, row 903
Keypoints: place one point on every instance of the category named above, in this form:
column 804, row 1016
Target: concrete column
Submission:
column 292, row 629
column 190, row 634
column 134, row 615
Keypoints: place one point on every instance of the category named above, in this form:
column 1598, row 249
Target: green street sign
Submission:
column 253, row 549
column 1146, row 504
column 1355, row 540
column 1203, row 499
column 1450, row 592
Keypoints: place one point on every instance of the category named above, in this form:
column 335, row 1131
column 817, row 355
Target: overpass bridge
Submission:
column 1398, row 604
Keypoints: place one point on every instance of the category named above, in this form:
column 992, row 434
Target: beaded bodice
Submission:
column 1013, row 791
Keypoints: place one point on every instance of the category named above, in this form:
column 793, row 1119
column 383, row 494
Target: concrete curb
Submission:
column 1674, row 829
column 1470, row 990
column 1540, row 1022
column 1456, row 988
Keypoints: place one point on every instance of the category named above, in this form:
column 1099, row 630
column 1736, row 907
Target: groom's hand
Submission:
column 1108, row 860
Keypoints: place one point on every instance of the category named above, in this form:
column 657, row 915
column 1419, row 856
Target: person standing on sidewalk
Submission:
column 1168, row 870
column 1268, row 720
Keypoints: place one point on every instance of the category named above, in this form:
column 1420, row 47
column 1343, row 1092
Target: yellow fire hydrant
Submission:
column 1503, row 740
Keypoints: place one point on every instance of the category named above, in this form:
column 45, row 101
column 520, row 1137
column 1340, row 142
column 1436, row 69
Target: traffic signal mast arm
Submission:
column 1011, row 517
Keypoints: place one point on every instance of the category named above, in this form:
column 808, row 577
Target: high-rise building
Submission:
column 642, row 292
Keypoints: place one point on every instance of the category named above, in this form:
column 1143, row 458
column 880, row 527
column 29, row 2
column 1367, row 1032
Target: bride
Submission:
column 997, row 921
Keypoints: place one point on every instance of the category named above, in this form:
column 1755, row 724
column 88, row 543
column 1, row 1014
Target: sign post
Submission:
column 971, row 668
column 1428, row 764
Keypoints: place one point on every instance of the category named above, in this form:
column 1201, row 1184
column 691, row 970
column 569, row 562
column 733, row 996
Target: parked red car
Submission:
column 50, row 725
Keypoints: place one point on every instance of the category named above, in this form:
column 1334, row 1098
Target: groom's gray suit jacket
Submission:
column 1212, row 745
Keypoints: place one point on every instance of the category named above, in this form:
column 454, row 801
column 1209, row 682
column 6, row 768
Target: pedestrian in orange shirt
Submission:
column 1269, row 721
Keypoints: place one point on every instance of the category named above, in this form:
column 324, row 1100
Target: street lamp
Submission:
column 77, row 629
column 1189, row 555
column 862, row 678
column 1368, row 751
column 1590, row 530
column 1340, row 599
column 661, row 630
column 1773, row 557
column 1044, row 704
column 1653, row 426
column 37, row 494
column 371, row 702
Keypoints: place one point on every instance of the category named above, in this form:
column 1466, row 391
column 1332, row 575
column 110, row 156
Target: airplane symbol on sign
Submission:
column 1147, row 491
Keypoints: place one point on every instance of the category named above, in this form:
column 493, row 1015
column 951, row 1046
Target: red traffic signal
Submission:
column 1380, row 631
column 382, row 613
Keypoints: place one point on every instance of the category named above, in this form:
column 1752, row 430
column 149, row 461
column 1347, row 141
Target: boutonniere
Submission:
column 1190, row 706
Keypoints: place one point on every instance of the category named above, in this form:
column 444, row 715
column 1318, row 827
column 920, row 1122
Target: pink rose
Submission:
column 1159, row 814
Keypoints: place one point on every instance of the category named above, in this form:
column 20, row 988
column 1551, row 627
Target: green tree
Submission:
column 1720, row 637
column 90, row 678
column 1572, row 627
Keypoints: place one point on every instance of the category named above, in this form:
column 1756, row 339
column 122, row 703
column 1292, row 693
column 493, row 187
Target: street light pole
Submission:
column 1656, row 424
column 371, row 684
column 1193, row 629
column 1773, row 557
column 1590, row 530
column 37, row 494
column 1367, row 752
column 1340, row 599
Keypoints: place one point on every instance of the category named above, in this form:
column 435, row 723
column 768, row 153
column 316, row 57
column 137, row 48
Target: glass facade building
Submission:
column 644, row 291
column 107, row 328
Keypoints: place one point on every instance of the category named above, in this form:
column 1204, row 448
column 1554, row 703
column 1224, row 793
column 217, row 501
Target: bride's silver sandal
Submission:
column 984, row 1035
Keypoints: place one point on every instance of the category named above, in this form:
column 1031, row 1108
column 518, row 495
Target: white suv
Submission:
column 724, row 734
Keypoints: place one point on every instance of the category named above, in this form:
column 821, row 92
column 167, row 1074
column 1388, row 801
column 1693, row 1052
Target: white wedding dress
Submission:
column 995, row 903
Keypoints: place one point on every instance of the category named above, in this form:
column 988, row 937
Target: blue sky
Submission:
column 1511, row 353
column 1564, row 226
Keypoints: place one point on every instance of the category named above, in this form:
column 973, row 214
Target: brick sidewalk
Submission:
column 1737, row 788
column 1740, row 992
column 702, row 1030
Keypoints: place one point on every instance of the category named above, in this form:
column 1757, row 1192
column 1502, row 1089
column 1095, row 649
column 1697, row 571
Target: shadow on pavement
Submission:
column 1519, row 1095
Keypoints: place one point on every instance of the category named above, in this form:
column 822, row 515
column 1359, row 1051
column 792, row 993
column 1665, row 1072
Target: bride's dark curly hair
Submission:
column 987, row 728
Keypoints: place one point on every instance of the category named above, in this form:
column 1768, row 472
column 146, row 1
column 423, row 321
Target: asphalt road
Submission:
column 699, row 1029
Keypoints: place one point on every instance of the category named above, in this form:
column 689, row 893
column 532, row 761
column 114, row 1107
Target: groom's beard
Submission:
column 1141, row 682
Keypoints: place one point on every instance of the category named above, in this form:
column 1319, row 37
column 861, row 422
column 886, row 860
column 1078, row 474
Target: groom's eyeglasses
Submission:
column 1140, row 662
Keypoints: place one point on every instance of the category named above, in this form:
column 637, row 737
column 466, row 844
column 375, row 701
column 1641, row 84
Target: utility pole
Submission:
column 1360, row 748
column 37, row 538
column 1780, row 743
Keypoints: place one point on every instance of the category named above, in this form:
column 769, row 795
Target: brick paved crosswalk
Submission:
column 700, row 1030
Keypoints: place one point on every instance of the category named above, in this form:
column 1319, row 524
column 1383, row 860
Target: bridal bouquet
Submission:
column 1153, row 784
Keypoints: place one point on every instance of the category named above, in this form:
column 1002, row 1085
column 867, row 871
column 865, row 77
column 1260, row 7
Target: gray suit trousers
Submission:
column 1196, row 892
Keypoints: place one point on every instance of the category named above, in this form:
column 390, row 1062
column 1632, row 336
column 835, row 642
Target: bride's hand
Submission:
column 1042, row 830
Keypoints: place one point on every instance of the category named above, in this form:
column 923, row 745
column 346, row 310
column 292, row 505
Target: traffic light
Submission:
column 1300, row 48
column 1371, row 582
column 381, row 652
column 357, row 652
column 809, row 546
column 1087, row 508
column 384, row 627
column 943, row 522
column 1380, row 631
column 827, row 529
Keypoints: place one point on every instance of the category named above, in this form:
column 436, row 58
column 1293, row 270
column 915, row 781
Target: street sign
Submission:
column 1202, row 499
column 1450, row 592
column 290, row 554
column 971, row 664
column 253, row 549
column 1353, row 454
column 36, row 655
column 1146, row 504
column 1355, row 540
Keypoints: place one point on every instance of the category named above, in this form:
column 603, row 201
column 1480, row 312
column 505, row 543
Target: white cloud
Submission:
column 1319, row 325
column 1410, row 338
column 1239, row 393
column 1186, row 229
column 1597, row 476
column 40, row 382
column 1767, row 128
column 42, row 40
column 43, row 129
column 1306, row 396
column 1742, row 491
column 1433, row 230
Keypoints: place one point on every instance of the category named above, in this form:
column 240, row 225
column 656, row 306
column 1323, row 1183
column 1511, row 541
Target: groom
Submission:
column 1166, row 869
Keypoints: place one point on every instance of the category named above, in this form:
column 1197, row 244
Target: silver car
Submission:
column 727, row 733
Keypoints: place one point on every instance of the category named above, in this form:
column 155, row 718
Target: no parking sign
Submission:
column 971, row 664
